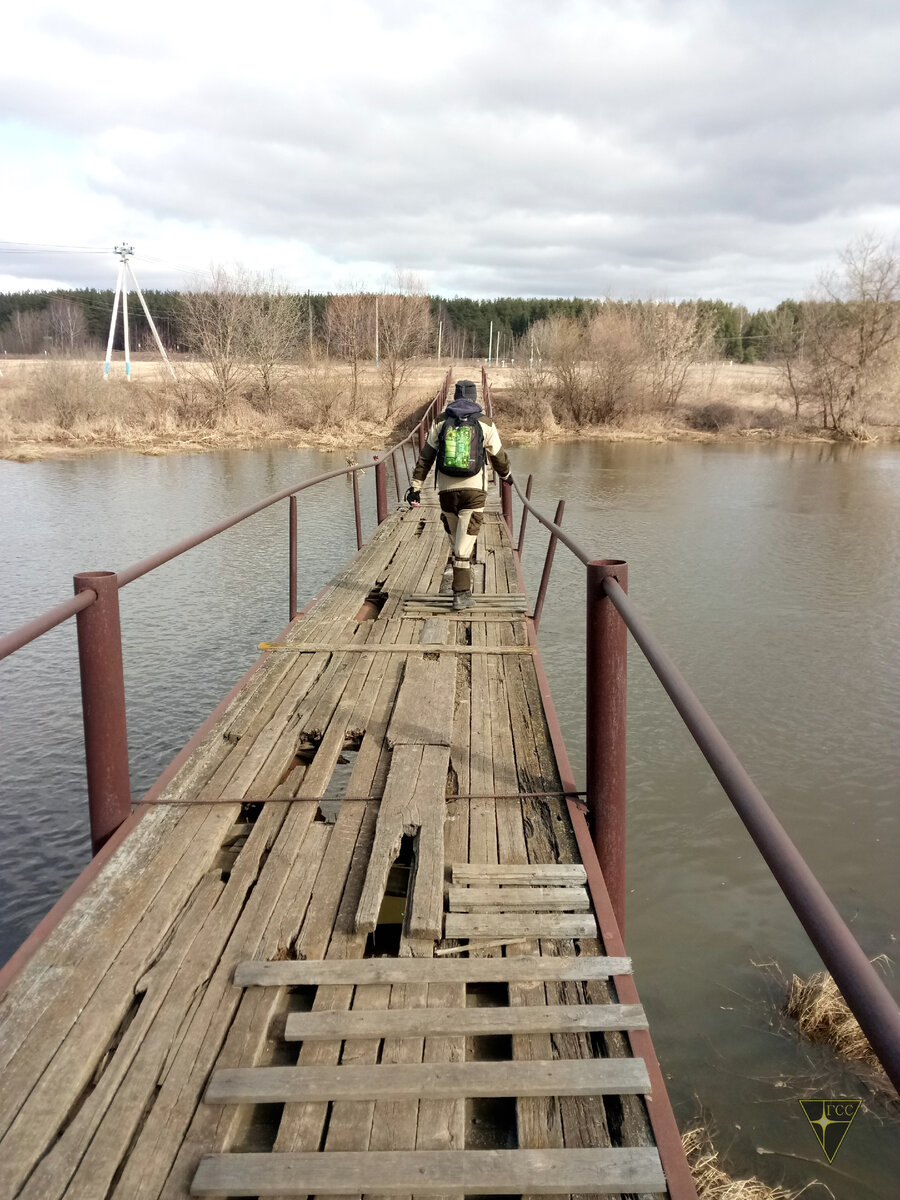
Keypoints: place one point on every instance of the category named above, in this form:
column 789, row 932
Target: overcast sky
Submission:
column 718, row 148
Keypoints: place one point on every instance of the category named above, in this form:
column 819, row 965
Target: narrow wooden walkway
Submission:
column 248, row 984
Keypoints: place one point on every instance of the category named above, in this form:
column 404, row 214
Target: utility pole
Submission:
column 126, row 272
column 309, row 303
column 440, row 335
column 490, row 342
column 376, row 329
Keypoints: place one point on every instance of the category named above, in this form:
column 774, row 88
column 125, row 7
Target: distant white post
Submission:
column 376, row 329
column 490, row 342
column 112, row 324
column 125, row 271
column 440, row 335
column 125, row 321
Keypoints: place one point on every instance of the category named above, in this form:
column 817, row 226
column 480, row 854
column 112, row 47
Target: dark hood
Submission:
column 464, row 408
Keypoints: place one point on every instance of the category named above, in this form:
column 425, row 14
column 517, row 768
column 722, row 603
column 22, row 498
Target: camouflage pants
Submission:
column 462, row 512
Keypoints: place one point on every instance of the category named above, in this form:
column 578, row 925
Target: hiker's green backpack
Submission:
column 460, row 445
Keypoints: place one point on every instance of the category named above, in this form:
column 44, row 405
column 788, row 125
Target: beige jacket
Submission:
column 494, row 454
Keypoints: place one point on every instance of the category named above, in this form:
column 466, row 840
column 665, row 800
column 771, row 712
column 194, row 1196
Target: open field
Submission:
column 63, row 407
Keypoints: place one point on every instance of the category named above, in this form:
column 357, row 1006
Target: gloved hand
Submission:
column 507, row 478
column 413, row 497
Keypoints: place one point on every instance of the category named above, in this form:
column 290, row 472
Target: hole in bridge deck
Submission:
column 385, row 940
column 373, row 603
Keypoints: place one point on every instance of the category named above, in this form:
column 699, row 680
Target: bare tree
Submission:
column 274, row 334
column 614, row 351
column 26, row 331
column 350, row 325
column 852, row 323
column 215, row 320
column 674, row 337
column 67, row 324
column 784, row 332
column 404, row 328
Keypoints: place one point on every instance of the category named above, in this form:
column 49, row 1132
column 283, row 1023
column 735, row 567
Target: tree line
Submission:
column 835, row 351
column 71, row 319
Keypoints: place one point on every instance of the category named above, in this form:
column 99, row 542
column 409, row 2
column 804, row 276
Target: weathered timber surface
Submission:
column 497, row 1172
column 212, row 930
column 410, row 970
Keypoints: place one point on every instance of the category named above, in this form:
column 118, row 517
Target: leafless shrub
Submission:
column 215, row 318
column 674, row 336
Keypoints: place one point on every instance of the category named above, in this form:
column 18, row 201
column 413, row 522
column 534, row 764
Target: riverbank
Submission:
column 60, row 409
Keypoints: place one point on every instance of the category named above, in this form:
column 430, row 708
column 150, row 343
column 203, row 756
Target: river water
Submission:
column 770, row 573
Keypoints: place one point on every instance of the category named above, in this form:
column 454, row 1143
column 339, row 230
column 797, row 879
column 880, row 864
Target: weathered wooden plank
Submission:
column 497, row 1172
column 425, row 909
column 515, row 924
column 472, row 1022
column 423, row 714
column 424, row 970
column 415, row 648
column 434, row 1081
column 544, row 874
column 393, row 821
column 527, row 899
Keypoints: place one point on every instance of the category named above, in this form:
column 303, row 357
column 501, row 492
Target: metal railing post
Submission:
column 524, row 516
column 548, row 563
column 506, row 505
column 381, row 507
column 292, row 558
column 356, row 512
column 396, row 476
column 103, row 705
column 607, row 660
column 421, row 429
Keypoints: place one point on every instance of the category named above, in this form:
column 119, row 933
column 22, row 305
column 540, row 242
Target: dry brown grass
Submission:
column 712, row 1183
column 53, row 407
column 823, row 1016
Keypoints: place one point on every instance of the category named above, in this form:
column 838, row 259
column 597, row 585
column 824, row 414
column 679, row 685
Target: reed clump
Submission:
column 712, row 1183
column 823, row 1015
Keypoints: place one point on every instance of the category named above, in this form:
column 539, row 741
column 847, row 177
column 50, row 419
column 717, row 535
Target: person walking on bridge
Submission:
column 461, row 442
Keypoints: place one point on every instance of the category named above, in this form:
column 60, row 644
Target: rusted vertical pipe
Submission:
column 292, row 558
column 524, row 516
column 380, row 489
column 356, row 512
column 396, row 476
column 506, row 505
column 607, row 660
column 548, row 563
column 103, row 706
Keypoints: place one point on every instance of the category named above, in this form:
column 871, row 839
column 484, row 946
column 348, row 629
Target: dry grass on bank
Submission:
column 63, row 406
column 712, row 1183
column 720, row 401
column 823, row 1015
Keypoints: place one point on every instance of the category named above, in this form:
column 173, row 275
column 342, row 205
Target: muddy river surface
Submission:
column 770, row 573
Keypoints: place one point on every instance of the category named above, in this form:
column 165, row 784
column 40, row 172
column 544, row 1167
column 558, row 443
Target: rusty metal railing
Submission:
column 611, row 615
column 95, row 606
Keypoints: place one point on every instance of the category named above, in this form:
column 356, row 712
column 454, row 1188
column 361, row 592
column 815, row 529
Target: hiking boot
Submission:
column 461, row 600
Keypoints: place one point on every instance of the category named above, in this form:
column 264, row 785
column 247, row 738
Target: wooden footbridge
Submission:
column 357, row 941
